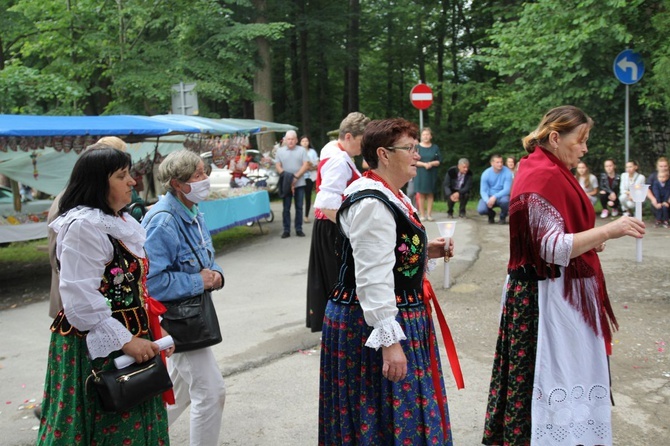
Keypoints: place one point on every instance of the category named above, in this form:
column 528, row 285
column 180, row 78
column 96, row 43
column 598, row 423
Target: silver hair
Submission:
column 179, row 165
column 464, row 161
column 291, row 133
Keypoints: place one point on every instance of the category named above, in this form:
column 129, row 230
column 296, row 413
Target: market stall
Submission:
column 235, row 211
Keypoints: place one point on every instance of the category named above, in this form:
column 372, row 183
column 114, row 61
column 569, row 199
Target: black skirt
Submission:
column 322, row 271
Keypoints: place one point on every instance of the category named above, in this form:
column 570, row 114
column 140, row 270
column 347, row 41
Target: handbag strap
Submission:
column 184, row 234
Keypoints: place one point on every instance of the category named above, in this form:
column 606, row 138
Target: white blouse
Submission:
column 371, row 228
column 83, row 249
column 335, row 174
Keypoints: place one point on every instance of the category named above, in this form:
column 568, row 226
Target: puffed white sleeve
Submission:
column 83, row 251
column 555, row 243
column 371, row 229
column 335, row 174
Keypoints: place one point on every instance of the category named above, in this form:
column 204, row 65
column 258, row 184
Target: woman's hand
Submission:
column 210, row 279
column 395, row 363
column 625, row 226
column 438, row 248
column 140, row 349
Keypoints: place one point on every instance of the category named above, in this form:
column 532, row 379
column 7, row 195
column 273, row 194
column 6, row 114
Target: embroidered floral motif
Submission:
column 410, row 250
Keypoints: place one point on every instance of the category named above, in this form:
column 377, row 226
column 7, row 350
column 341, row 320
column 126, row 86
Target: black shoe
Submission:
column 285, row 235
column 492, row 217
column 503, row 221
column 37, row 411
column 299, row 233
column 450, row 214
column 461, row 215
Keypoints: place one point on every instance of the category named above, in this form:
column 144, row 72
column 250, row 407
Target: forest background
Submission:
column 494, row 66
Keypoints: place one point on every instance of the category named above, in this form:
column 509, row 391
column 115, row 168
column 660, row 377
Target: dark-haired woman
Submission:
column 381, row 380
column 102, row 285
column 550, row 383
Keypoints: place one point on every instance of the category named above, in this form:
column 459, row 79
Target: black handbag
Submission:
column 192, row 322
column 123, row 389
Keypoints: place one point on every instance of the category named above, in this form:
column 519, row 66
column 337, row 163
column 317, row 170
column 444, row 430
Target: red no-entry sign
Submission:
column 421, row 96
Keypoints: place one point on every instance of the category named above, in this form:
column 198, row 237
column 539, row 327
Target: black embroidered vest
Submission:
column 123, row 286
column 410, row 255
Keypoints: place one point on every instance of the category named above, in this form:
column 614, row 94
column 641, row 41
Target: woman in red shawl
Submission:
column 550, row 382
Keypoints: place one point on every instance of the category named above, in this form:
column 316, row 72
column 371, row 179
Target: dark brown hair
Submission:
column 384, row 133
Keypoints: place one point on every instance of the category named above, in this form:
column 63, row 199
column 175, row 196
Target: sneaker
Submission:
column 615, row 212
column 492, row 217
column 665, row 224
column 299, row 233
column 306, row 220
column 604, row 214
column 658, row 224
column 285, row 235
column 430, row 218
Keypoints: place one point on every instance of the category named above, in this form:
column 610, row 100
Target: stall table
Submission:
column 229, row 212
column 20, row 233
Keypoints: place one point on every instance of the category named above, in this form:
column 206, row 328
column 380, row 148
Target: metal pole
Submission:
column 627, row 123
column 420, row 121
column 183, row 98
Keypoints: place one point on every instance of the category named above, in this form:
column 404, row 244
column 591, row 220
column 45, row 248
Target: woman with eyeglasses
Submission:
column 381, row 379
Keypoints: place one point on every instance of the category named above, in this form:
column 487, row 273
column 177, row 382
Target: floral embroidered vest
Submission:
column 123, row 285
column 410, row 255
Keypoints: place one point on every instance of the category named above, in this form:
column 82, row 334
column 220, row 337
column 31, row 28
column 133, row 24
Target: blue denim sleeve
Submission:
column 173, row 271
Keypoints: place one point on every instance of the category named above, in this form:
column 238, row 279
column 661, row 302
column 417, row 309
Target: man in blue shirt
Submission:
column 495, row 187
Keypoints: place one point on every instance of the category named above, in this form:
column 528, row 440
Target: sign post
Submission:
column 628, row 69
column 421, row 97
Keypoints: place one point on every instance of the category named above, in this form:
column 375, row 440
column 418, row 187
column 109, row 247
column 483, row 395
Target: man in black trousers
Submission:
column 457, row 184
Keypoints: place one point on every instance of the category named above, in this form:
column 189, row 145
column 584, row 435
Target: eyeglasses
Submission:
column 411, row 149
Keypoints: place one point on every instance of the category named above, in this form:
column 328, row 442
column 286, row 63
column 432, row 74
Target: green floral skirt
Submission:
column 71, row 415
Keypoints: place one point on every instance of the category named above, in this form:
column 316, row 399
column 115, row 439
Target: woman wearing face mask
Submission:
column 178, row 243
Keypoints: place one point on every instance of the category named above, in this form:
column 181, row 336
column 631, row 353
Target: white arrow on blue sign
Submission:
column 628, row 67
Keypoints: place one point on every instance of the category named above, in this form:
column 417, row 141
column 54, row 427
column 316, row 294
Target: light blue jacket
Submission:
column 495, row 184
column 174, row 272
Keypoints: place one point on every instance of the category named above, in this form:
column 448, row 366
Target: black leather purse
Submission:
column 192, row 322
column 123, row 389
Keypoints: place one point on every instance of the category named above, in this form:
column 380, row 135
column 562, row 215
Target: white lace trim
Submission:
column 126, row 229
column 110, row 336
column 385, row 333
column 580, row 415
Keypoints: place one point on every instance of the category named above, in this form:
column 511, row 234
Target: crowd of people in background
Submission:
column 366, row 288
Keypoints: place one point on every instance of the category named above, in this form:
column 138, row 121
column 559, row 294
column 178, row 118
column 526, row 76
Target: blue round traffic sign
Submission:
column 628, row 67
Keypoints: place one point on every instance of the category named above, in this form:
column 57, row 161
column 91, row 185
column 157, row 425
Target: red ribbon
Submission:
column 428, row 296
column 155, row 309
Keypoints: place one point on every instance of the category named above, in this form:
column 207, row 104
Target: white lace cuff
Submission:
column 386, row 333
column 107, row 337
column 431, row 264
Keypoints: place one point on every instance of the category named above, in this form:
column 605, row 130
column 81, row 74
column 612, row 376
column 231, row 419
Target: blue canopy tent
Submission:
column 59, row 140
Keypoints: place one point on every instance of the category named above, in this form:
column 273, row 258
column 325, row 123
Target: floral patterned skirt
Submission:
column 357, row 405
column 73, row 416
column 508, row 414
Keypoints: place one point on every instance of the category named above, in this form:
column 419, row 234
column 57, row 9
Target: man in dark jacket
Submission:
column 457, row 184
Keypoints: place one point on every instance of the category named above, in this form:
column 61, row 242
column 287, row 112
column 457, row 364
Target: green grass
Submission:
column 34, row 251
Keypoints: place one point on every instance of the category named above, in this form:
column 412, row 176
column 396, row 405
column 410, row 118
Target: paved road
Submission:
column 271, row 362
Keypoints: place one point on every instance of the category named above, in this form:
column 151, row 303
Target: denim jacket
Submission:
column 174, row 271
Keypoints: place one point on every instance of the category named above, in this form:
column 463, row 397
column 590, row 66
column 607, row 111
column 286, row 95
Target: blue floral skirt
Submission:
column 357, row 405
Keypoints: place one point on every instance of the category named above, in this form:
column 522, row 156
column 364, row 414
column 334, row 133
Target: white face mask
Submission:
column 199, row 191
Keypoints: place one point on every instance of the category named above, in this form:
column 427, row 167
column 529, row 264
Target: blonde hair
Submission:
column 563, row 119
column 113, row 141
column 586, row 176
column 179, row 165
column 353, row 124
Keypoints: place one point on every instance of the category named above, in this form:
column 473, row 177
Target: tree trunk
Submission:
column 263, row 81
column 304, row 73
column 353, row 50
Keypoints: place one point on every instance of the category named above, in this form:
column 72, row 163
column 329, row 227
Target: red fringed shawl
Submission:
column 543, row 174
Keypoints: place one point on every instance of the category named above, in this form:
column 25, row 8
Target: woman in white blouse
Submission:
column 629, row 179
column 100, row 249
column 380, row 380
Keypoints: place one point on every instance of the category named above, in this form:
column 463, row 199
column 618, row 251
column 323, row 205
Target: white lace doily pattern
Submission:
column 566, row 417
